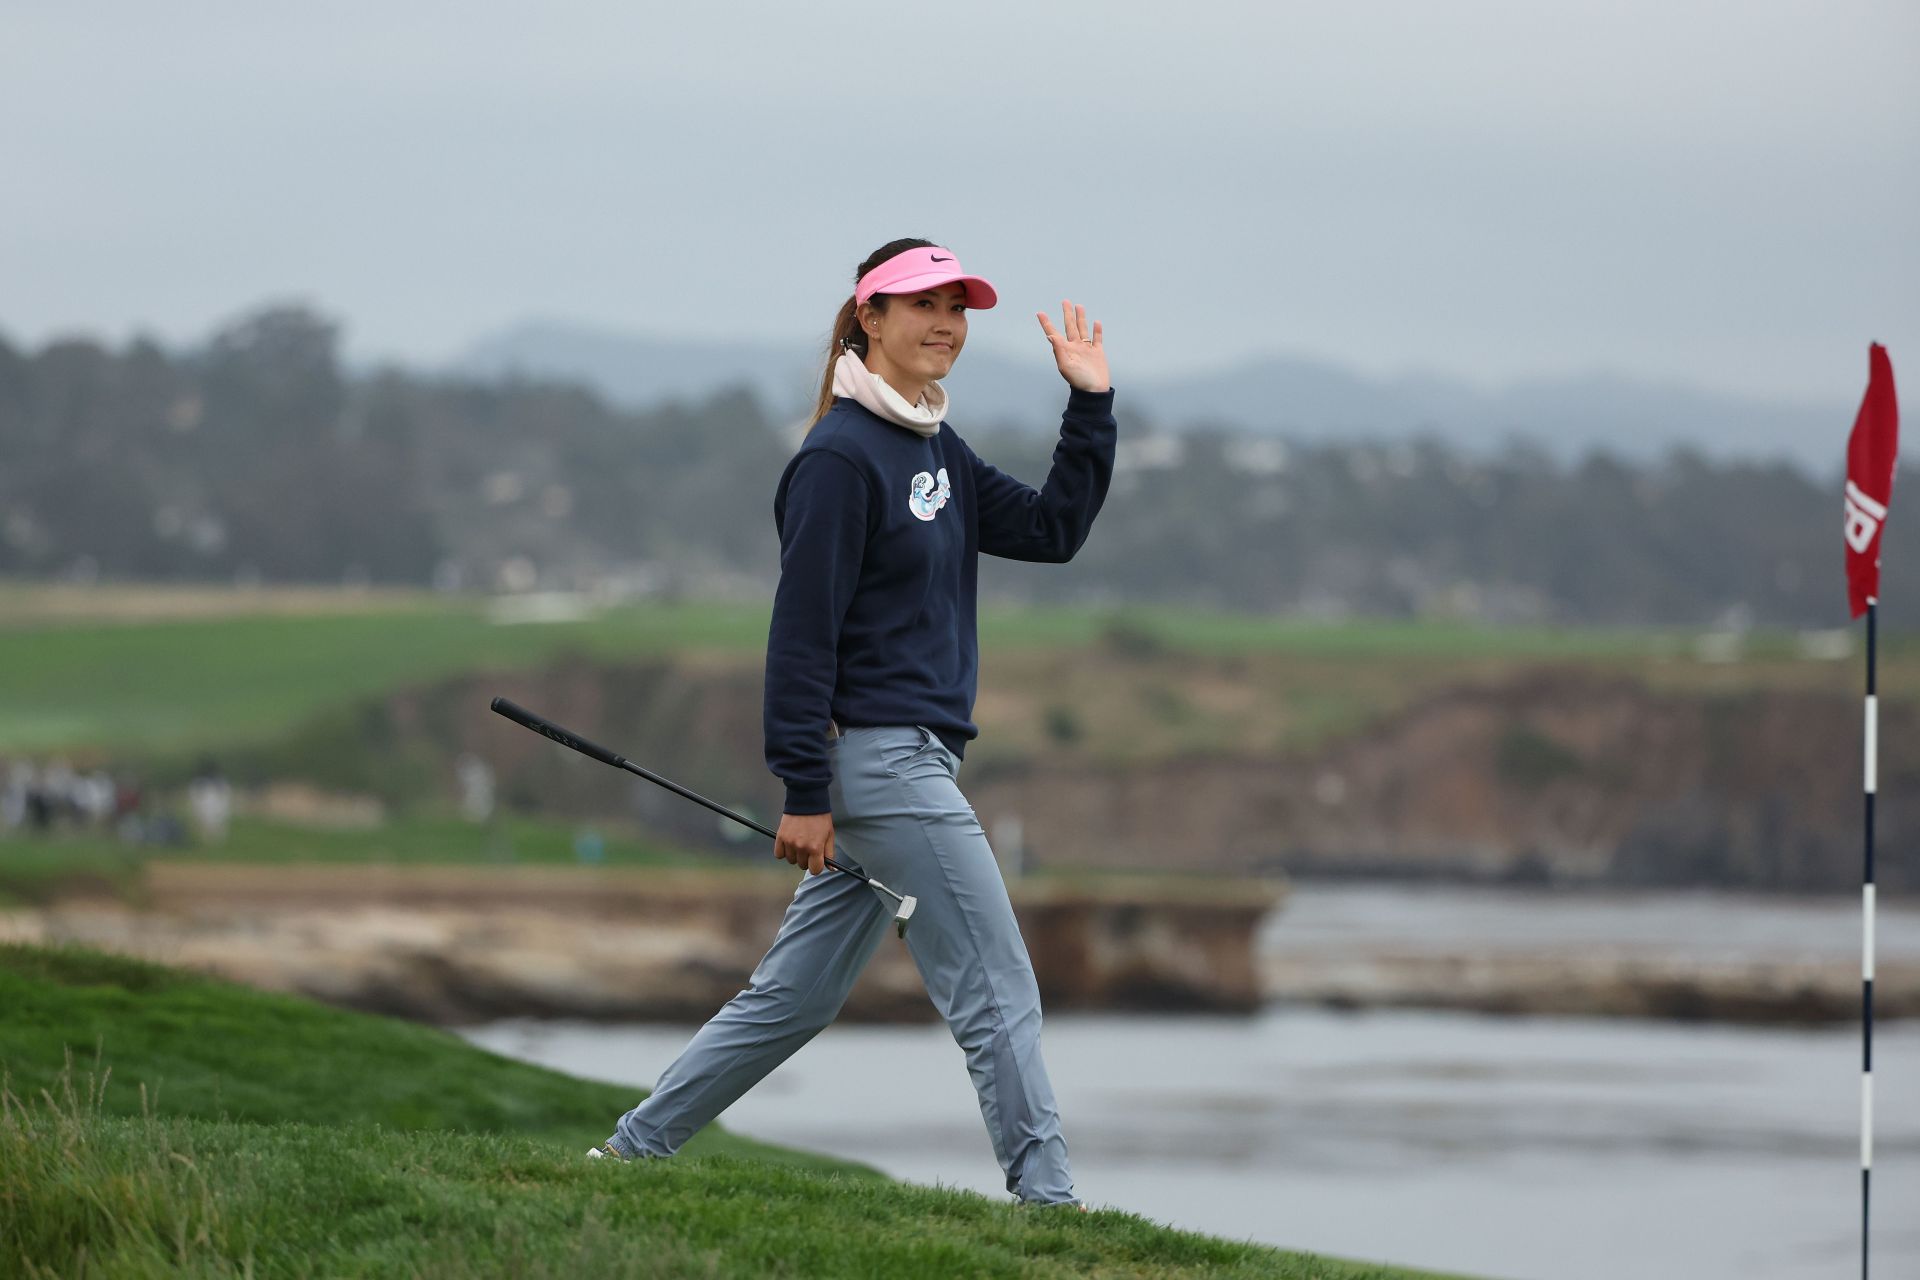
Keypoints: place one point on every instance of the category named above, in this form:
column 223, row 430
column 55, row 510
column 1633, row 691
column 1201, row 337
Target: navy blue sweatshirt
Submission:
column 880, row 530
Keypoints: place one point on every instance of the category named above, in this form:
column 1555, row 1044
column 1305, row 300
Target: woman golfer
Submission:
column 871, row 666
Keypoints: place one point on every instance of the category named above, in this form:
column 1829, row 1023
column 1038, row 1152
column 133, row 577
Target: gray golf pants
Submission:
column 898, row 814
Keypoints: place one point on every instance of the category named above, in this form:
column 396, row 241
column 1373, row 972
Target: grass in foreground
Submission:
column 227, row 1132
column 215, row 1199
column 206, row 1049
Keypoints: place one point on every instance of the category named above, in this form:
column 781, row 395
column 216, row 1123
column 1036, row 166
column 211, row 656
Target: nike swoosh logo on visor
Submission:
column 937, row 258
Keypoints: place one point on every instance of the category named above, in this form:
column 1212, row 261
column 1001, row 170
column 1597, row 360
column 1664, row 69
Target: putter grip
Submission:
column 548, row 729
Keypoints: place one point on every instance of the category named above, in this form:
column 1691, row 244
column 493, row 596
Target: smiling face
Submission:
column 918, row 336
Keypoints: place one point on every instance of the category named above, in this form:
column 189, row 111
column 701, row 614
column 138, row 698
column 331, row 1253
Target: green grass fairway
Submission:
column 37, row 869
column 216, row 681
column 75, row 682
column 225, row 1132
column 415, row 839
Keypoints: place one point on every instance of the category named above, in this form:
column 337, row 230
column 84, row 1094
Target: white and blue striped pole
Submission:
column 1866, row 940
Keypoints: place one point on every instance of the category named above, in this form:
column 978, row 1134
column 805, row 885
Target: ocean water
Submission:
column 1572, row 1149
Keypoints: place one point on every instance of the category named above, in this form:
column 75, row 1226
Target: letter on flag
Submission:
column 1871, row 451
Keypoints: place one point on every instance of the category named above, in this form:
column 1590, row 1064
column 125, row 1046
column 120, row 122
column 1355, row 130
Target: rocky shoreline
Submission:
column 454, row 945
column 458, row 945
column 1698, row 956
column 1596, row 984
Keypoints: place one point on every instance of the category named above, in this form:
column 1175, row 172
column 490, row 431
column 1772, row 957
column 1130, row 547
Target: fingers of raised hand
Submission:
column 1073, row 326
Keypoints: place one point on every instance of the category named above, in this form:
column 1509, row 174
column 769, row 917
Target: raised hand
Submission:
column 1080, row 352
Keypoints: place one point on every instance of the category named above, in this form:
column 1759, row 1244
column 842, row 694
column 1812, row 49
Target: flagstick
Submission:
column 1866, row 953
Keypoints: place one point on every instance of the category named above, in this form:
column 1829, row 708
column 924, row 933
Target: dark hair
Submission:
column 847, row 333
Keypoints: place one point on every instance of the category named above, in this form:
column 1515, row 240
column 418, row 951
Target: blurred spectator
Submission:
column 210, row 798
column 94, row 797
column 476, row 787
column 43, row 798
column 127, row 800
column 57, row 783
column 589, row 846
column 13, row 796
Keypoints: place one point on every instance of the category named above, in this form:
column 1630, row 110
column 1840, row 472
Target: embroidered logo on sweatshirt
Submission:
column 928, row 496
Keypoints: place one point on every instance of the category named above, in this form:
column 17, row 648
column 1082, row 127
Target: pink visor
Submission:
column 918, row 269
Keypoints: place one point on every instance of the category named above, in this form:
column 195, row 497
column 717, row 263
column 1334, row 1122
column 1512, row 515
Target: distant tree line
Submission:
column 257, row 458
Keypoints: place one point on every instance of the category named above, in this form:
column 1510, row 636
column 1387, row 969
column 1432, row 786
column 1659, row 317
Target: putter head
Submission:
column 904, row 914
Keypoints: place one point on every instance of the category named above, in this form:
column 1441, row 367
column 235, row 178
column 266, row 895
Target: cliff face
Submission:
column 1561, row 775
column 461, row 944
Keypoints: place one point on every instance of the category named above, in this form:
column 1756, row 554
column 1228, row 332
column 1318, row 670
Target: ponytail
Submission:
column 847, row 336
column 847, row 333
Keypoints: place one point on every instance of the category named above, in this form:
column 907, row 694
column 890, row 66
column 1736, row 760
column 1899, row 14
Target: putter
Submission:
column 903, row 903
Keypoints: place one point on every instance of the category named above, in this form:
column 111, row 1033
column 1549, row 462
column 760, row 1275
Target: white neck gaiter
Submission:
column 852, row 378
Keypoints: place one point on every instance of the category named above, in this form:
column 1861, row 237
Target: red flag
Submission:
column 1871, row 451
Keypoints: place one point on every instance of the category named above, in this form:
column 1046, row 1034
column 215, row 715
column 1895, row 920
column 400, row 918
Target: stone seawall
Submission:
column 461, row 944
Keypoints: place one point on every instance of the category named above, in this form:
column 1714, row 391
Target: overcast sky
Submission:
column 1727, row 194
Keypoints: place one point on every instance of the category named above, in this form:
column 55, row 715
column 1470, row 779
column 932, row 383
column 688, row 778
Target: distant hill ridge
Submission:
column 259, row 458
column 1290, row 396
